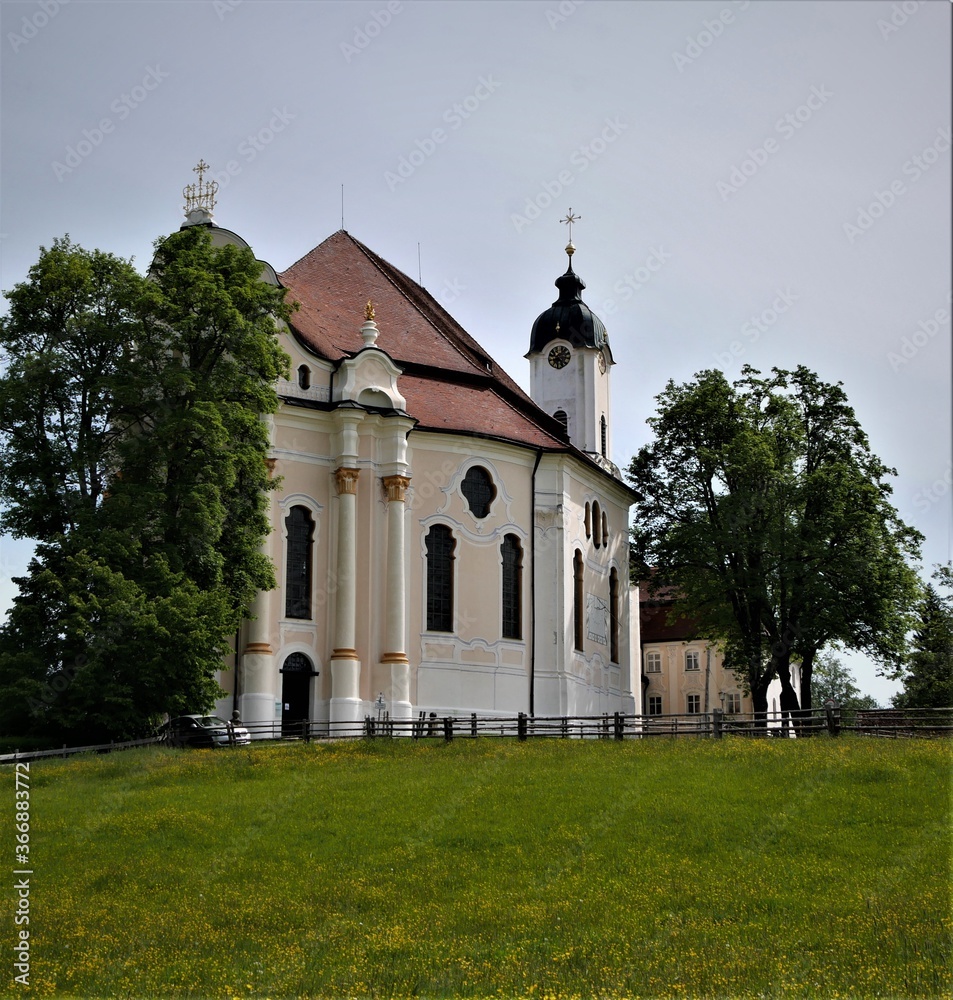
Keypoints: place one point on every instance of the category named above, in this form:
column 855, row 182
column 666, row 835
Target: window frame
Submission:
column 692, row 656
column 299, row 563
column 470, row 487
column 440, row 547
column 511, row 587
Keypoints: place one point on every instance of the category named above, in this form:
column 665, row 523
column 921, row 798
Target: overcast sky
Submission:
column 763, row 182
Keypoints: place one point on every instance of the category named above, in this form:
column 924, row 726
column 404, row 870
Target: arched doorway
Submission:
column 296, row 674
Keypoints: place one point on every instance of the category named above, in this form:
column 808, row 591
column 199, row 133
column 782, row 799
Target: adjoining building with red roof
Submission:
column 443, row 541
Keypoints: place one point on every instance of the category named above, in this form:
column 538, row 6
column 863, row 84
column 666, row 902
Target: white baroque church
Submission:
column 442, row 541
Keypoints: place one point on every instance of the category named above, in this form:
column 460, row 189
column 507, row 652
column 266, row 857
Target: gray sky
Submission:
column 763, row 182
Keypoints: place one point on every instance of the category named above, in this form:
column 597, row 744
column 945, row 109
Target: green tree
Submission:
column 832, row 681
column 761, row 502
column 927, row 673
column 64, row 343
column 150, row 532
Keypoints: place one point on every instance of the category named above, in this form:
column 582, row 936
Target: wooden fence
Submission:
column 831, row 720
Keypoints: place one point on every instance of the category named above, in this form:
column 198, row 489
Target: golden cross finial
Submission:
column 202, row 166
column 369, row 310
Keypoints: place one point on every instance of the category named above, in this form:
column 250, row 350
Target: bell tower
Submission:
column 570, row 362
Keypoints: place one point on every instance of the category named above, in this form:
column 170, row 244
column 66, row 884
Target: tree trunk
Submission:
column 790, row 709
column 807, row 670
column 759, row 700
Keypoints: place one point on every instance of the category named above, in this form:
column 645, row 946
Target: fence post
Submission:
column 832, row 710
column 617, row 725
column 521, row 727
column 565, row 728
column 473, row 724
column 368, row 726
column 717, row 719
column 448, row 729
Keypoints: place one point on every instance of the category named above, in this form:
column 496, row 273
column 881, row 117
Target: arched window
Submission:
column 605, row 529
column 440, row 546
column 304, row 377
column 614, row 615
column 578, row 600
column 604, row 435
column 596, row 525
column 588, row 520
column 478, row 488
column 300, row 528
column 563, row 418
column 512, row 553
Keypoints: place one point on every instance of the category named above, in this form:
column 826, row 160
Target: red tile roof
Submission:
column 450, row 382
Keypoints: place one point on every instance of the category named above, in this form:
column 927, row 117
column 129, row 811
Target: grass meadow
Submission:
column 491, row 868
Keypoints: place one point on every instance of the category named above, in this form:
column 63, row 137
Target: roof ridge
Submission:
column 411, row 290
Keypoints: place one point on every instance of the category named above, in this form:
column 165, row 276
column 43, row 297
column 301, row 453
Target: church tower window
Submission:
column 300, row 528
column 563, row 418
column 578, row 602
column 604, row 431
column 512, row 587
column 596, row 525
column 478, row 488
column 440, row 546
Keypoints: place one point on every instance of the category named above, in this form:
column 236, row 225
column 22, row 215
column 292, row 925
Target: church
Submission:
column 443, row 542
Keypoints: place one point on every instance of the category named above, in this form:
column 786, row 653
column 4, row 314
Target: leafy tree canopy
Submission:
column 927, row 672
column 133, row 448
column 832, row 681
column 761, row 502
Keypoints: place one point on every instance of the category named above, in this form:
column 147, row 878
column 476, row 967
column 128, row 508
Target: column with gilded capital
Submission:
column 395, row 629
column 345, row 665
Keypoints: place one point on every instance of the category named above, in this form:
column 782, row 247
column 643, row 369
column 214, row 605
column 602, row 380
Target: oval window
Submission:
column 479, row 490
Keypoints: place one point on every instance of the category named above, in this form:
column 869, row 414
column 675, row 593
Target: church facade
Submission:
column 443, row 542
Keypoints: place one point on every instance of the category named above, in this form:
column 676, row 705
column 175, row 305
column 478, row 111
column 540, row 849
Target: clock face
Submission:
column 559, row 356
column 602, row 363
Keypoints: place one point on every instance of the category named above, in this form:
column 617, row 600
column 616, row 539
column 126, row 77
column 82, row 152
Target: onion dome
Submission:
column 568, row 318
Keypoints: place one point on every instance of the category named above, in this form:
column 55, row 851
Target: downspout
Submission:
column 532, row 589
column 238, row 633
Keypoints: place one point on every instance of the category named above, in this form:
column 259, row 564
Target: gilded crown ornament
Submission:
column 200, row 196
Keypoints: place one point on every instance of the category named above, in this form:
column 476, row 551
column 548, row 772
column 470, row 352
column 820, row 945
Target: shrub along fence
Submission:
column 832, row 720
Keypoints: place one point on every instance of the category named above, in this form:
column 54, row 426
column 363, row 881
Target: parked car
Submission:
column 204, row 731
